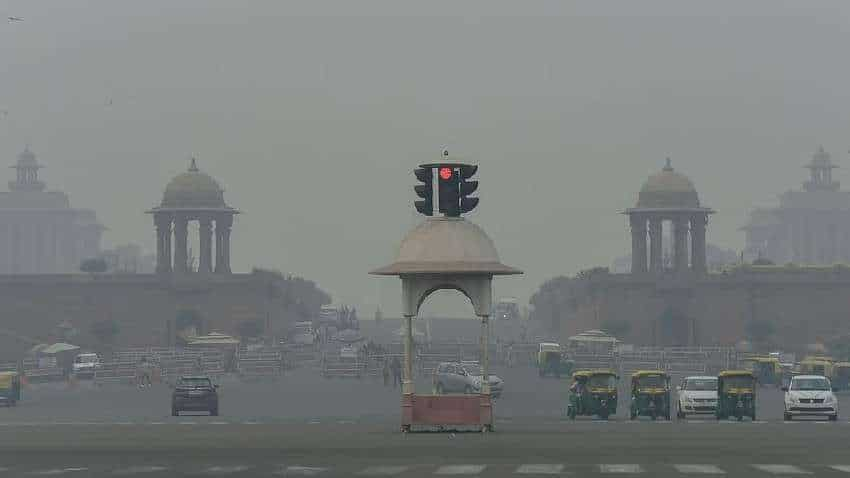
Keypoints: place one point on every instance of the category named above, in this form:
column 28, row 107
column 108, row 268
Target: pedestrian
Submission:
column 386, row 373
column 396, row 366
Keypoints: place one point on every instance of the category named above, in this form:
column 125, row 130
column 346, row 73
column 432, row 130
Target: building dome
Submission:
column 193, row 190
column 668, row 190
column 447, row 245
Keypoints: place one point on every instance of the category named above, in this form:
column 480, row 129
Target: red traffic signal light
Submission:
column 446, row 173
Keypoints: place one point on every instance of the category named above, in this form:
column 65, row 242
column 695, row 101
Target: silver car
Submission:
column 454, row 377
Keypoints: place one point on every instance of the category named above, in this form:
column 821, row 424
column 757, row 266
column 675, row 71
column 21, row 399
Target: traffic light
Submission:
column 466, row 187
column 425, row 191
column 449, row 192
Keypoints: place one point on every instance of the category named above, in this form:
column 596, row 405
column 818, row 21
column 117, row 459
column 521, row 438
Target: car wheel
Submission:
column 214, row 412
column 175, row 412
column 833, row 418
column 787, row 417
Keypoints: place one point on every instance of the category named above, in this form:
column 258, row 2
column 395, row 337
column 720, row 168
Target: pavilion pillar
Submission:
column 407, row 377
column 181, row 244
column 638, row 224
column 698, row 252
column 223, row 224
column 656, row 263
column 205, row 240
column 680, row 244
column 163, row 242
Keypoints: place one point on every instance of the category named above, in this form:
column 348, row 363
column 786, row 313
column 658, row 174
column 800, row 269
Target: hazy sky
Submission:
column 312, row 114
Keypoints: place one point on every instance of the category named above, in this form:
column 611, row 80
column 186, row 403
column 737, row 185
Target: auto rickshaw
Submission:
column 768, row 370
column 736, row 394
column 10, row 388
column 816, row 366
column 593, row 393
column 549, row 361
column 841, row 376
column 650, row 394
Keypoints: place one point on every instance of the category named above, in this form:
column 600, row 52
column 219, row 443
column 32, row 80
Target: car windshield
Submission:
column 737, row 382
column 651, row 381
column 473, row 370
column 194, row 382
column 602, row 381
column 810, row 384
column 700, row 384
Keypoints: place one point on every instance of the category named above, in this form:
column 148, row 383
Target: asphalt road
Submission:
column 303, row 425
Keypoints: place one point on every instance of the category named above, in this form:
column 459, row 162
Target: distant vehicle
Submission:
column 194, row 394
column 810, row 395
column 304, row 333
column 85, row 365
column 348, row 352
column 453, row 377
column 697, row 395
column 10, row 388
column 507, row 309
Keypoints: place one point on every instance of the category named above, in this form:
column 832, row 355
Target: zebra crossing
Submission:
column 471, row 469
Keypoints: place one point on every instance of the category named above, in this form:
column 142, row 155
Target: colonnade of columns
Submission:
column 177, row 225
column 685, row 227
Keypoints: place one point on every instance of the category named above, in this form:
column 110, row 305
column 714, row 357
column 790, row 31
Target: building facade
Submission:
column 40, row 233
column 810, row 226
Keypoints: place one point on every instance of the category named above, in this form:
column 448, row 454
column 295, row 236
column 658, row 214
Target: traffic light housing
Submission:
column 449, row 192
column 466, row 187
column 425, row 191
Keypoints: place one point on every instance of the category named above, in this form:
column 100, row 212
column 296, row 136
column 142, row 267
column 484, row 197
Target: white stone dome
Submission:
column 447, row 245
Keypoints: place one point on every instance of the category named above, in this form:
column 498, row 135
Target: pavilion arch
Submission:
column 416, row 290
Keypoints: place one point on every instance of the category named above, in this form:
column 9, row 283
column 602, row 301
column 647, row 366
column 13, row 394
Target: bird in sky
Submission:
column 15, row 19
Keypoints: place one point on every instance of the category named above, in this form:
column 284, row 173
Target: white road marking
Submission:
column 460, row 469
column 539, row 469
column 219, row 423
column 59, row 471
column 623, row 469
column 699, row 469
column 841, row 468
column 188, row 423
column 384, row 470
column 135, row 470
column 304, row 471
column 225, row 470
column 782, row 469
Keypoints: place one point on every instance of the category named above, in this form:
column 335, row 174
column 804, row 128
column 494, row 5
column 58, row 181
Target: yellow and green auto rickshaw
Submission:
column 650, row 394
column 550, row 360
column 816, row 365
column 736, row 394
column 841, row 376
column 593, row 393
column 10, row 388
column 767, row 369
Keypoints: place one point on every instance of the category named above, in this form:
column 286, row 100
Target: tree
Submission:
column 617, row 328
column 250, row 329
column 105, row 331
column 94, row 265
column 759, row 331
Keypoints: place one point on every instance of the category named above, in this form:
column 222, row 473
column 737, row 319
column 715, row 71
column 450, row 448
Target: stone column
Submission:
column 162, row 222
column 181, row 246
column 638, row 224
column 680, row 244
column 407, row 378
column 698, row 252
column 485, row 355
column 205, row 240
column 656, row 261
column 223, row 223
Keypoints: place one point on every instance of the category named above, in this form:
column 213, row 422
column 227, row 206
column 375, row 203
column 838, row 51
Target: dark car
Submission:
column 194, row 394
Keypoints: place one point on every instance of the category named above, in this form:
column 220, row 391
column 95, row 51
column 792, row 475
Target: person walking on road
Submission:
column 386, row 372
column 396, row 369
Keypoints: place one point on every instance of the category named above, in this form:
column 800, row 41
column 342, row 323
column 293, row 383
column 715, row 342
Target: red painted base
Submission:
column 436, row 410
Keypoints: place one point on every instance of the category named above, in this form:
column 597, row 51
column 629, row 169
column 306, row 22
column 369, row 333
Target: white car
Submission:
column 697, row 395
column 810, row 395
column 85, row 365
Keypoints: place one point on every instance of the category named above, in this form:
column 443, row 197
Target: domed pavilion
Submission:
column 668, row 196
column 193, row 196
